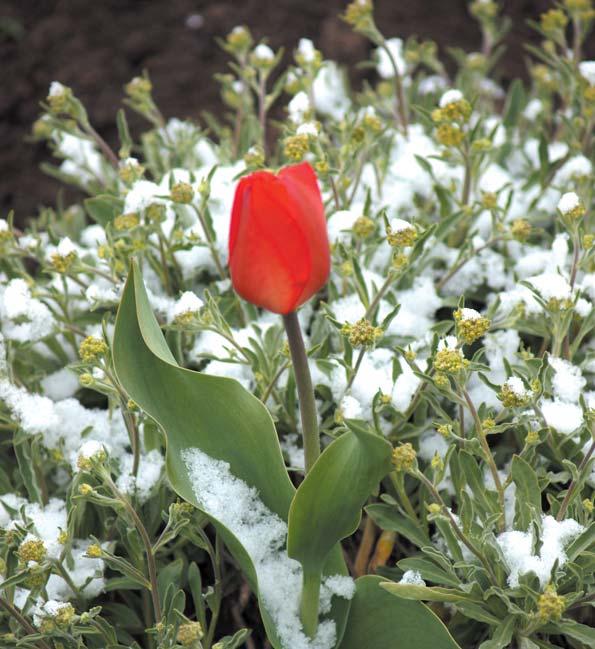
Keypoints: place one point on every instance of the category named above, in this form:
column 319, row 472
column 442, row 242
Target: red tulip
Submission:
column 278, row 245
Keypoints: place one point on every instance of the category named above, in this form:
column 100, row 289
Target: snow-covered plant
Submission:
column 154, row 491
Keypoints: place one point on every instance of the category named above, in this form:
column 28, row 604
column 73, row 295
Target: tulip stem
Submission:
column 305, row 389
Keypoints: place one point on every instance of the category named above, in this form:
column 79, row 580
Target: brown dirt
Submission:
column 96, row 47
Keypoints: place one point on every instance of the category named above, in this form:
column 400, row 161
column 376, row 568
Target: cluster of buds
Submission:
column 263, row 57
column 553, row 23
column 139, row 91
column 363, row 227
column 580, row 9
column 254, row 157
column 64, row 256
column 91, row 454
column 453, row 112
column 571, row 207
column 181, row 193
column 5, row 231
column 362, row 334
column 449, row 357
column 126, row 221
column 359, row 14
column 92, row 348
column 296, row 146
column 54, row 615
column 550, row 605
column 130, row 170
column 471, row 325
column 239, row 41
column 187, row 308
column 400, row 234
column 404, row 457
column 189, row 634
column 514, row 394
column 520, row 230
column 32, row 549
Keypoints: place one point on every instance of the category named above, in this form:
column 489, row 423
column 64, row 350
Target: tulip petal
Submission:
column 269, row 255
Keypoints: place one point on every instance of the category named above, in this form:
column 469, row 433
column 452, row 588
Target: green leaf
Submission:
column 429, row 571
column 572, row 629
column 427, row 593
column 528, row 500
column 104, row 208
column 327, row 505
column 581, row 543
column 380, row 621
column 24, row 453
column 388, row 518
column 502, row 635
column 213, row 414
column 514, row 103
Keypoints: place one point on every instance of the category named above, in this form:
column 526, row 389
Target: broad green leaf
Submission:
column 379, row 620
column 426, row 593
column 327, row 505
column 213, row 414
column 528, row 500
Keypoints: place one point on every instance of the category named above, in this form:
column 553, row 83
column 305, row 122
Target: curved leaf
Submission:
column 213, row 414
column 327, row 505
column 378, row 619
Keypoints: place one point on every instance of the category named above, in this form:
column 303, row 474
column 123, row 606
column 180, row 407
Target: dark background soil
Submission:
column 96, row 46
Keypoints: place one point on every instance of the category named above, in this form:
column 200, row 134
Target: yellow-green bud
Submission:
column 239, row 39
column 588, row 505
column 550, row 605
column 400, row 234
column 85, row 489
column 404, row 457
column 295, row 147
column 470, row 324
column 126, row 221
column 91, row 348
column 358, row 14
column 449, row 135
column 363, row 227
column 139, row 89
column 189, row 633
column 32, row 550
column 362, row 334
column 182, row 193
column 520, row 230
column 513, row 393
column 553, row 21
column 94, row 551
column 532, row 438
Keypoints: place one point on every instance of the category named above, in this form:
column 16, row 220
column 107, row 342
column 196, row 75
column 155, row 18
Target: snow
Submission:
column 450, row 97
column 517, row 549
column 264, row 53
column 587, row 71
column 568, row 202
column 412, row 578
column 263, row 535
column 565, row 417
column 384, row 66
column 150, row 470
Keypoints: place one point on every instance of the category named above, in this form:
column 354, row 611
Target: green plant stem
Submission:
column 400, row 95
column 25, row 624
column 305, row 389
column 310, row 602
column 146, row 541
column 483, row 440
column 456, row 529
column 572, row 487
column 211, row 242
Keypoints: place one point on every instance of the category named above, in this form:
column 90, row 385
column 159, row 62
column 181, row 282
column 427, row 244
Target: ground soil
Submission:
column 96, row 47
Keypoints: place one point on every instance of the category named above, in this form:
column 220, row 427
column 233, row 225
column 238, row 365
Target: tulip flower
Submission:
column 279, row 253
column 279, row 257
